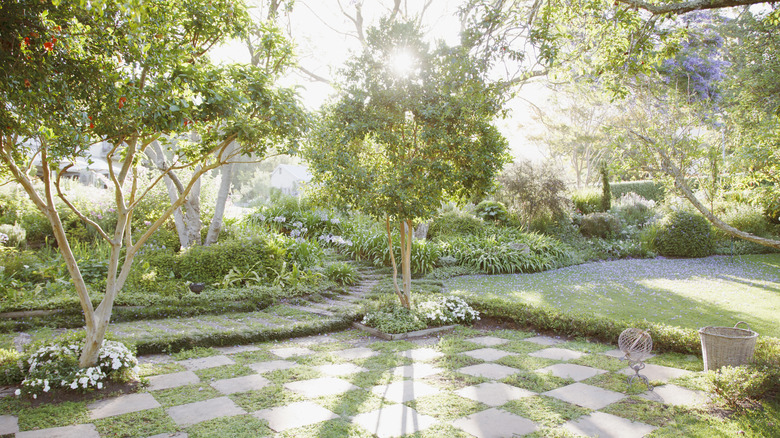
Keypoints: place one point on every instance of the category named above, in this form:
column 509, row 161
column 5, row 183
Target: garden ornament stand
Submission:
column 636, row 345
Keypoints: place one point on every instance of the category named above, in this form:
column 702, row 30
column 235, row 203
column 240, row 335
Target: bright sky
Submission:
column 324, row 39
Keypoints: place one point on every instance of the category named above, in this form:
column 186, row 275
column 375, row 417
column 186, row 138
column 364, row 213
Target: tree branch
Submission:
column 688, row 6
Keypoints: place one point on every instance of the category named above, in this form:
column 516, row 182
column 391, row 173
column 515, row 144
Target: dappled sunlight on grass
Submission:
column 689, row 293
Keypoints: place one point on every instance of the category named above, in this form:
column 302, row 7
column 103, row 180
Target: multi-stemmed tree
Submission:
column 411, row 126
column 73, row 74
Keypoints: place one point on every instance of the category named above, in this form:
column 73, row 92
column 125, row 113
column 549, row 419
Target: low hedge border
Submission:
column 666, row 338
column 74, row 318
column 174, row 343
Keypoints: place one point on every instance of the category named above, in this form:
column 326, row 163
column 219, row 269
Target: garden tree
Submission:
column 533, row 190
column 752, row 105
column 673, row 137
column 410, row 128
column 574, row 129
column 78, row 73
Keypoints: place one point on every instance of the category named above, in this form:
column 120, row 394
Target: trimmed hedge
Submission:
column 651, row 190
column 455, row 223
column 683, row 234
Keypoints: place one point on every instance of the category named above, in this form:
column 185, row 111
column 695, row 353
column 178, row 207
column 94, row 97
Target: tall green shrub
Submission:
column 586, row 200
column 684, row 234
column 606, row 194
column 651, row 190
column 455, row 223
column 212, row 263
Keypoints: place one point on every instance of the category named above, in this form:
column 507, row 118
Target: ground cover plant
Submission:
column 690, row 293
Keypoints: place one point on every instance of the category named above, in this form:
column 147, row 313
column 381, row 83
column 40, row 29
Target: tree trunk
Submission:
column 192, row 222
column 222, row 196
column 401, row 295
column 406, row 261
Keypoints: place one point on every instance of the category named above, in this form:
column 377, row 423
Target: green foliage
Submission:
column 739, row 387
column 493, row 211
column 604, row 225
column 536, row 192
column 15, row 235
column 748, row 218
column 212, row 263
column 586, row 201
column 507, row 251
column 606, row 194
column 454, row 223
column 395, row 319
column 650, row 190
column 342, row 273
column 11, row 371
column 683, row 234
column 446, row 310
column 369, row 244
column 633, row 209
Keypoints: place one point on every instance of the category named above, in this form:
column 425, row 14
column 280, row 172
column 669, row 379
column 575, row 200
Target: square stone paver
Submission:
column 599, row 424
column 489, row 370
column 237, row 349
column 272, row 365
column 77, row 431
column 404, row 390
column 488, row 354
column 488, row 341
column 494, row 393
column 557, row 354
column 124, row 404
column 357, row 353
column 154, row 358
column 657, row 372
column 251, row 382
column 340, row 369
column 320, row 387
column 544, row 340
column 676, row 395
column 585, row 395
column 8, row 424
column 495, row 423
column 169, row 435
column 288, row 352
column 294, row 415
column 421, row 354
column 393, row 421
column 203, row 363
column 172, row 380
column 194, row 413
column 314, row 340
column 416, row 371
column 571, row 371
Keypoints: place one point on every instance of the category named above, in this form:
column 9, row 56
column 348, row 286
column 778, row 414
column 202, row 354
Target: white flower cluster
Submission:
column 447, row 310
column 3, row 238
column 336, row 240
column 279, row 219
column 56, row 365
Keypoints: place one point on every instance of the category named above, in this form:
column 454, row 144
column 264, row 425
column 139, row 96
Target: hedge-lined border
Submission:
column 666, row 338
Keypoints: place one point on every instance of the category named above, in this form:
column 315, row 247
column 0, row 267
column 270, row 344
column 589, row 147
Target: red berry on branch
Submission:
column 27, row 83
column 91, row 126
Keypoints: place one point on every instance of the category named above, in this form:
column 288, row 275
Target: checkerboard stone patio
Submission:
column 488, row 354
column 397, row 416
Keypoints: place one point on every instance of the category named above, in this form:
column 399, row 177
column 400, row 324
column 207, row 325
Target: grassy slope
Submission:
column 688, row 293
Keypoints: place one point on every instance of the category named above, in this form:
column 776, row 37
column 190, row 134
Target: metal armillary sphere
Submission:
column 636, row 345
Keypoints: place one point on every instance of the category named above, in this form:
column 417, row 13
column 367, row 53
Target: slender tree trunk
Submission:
column 222, row 196
column 401, row 296
column 406, row 261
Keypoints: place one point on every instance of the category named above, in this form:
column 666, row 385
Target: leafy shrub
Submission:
column 454, row 223
column 11, row 372
column 296, row 217
column 738, row 387
column 447, row 310
column 56, row 365
column 684, row 234
column 369, row 244
column 602, row 225
column 534, row 190
column 211, row 263
column 395, row 319
column 15, row 235
column 586, row 201
column 744, row 217
column 304, row 253
column 650, row 190
column 492, row 211
column 632, row 209
column 509, row 251
column 606, row 193
column 342, row 273
column 37, row 227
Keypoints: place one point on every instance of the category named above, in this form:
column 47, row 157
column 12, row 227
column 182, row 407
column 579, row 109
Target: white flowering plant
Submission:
column 56, row 366
column 447, row 310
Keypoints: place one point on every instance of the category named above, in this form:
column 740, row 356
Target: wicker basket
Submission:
column 723, row 346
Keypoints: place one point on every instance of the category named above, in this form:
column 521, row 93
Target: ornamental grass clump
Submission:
column 56, row 366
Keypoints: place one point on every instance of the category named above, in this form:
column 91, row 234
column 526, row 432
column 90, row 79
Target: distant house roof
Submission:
column 300, row 173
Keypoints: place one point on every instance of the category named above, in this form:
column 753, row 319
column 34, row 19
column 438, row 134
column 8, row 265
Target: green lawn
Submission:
column 691, row 293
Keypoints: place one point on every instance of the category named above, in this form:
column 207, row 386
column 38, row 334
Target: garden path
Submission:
column 469, row 383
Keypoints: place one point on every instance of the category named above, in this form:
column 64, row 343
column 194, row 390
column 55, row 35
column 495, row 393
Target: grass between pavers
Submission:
column 689, row 293
column 240, row 426
column 545, row 411
column 446, row 406
column 265, row 398
column 136, row 424
column 352, row 403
